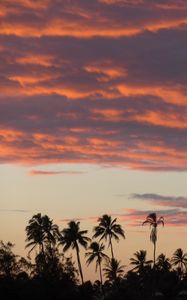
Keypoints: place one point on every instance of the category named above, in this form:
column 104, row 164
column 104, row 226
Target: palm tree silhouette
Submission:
column 153, row 221
column 108, row 229
column 72, row 237
column 140, row 261
column 51, row 230
column 40, row 230
column 113, row 270
column 97, row 254
column 179, row 259
column 163, row 263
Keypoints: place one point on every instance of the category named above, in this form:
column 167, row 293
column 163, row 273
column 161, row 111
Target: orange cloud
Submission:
column 59, row 28
column 162, row 119
column 108, row 114
column 11, row 5
column 43, row 60
column 109, row 72
column 171, row 94
column 78, row 19
column 26, row 80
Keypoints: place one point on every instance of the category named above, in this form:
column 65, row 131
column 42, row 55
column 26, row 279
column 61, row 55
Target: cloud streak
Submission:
column 170, row 201
column 77, row 18
column 173, row 217
column 51, row 173
column 14, row 210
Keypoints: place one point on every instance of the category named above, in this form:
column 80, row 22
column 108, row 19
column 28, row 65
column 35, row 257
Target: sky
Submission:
column 93, row 117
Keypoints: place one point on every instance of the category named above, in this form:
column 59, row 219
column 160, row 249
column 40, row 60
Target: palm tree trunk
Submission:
column 154, row 279
column 100, row 271
column 111, row 247
column 79, row 264
column 44, row 259
column 154, row 255
column 182, row 270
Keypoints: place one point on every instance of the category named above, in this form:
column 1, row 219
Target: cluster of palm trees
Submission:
column 178, row 259
column 52, row 274
column 43, row 234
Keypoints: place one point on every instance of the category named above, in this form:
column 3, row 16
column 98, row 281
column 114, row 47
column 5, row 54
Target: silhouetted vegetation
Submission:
column 153, row 221
column 107, row 230
column 48, row 273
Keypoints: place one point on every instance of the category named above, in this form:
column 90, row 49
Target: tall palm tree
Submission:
column 108, row 229
column 140, row 261
column 71, row 237
column 40, row 231
column 179, row 259
column 113, row 270
column 97, row 254
column 153, row 221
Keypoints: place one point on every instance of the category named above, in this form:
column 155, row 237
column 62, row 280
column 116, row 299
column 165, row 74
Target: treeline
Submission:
column 51, row 274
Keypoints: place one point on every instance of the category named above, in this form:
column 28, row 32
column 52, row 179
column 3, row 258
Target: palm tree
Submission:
column 140, row 261
column 113, row 270
column 51, row 230
column 72, row 237
column 162, row 263
column 41, row 231
column 108, row 229
column 179, row 259
column 35, row 233
column 96, row 254
column 153, row 221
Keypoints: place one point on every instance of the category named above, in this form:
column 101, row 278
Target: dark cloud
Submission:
column 150, row 59
column 171, row 201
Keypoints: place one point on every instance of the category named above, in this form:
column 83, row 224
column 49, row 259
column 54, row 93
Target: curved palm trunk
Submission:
column 111, row 248
column 79, row 264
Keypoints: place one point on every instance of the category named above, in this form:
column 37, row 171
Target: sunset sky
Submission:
column 93, row 117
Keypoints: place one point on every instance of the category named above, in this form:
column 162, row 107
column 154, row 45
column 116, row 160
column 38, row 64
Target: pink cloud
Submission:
column 134, row 218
